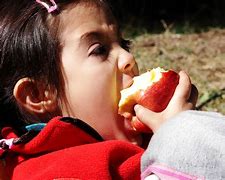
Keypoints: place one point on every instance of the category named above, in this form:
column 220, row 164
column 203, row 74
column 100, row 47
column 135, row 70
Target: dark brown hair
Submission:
column 29, row 47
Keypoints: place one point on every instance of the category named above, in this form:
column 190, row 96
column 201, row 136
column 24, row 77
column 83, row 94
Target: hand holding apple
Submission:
column 184, row 98
column 153, row 90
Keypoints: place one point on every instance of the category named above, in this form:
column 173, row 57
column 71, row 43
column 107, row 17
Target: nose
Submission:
column 127, row 63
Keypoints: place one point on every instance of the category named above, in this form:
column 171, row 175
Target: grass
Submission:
column 201, row 55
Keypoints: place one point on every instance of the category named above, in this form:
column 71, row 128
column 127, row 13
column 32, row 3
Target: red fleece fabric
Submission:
column 63, row 150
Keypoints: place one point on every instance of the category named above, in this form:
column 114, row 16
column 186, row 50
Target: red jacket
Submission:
column 67, row 148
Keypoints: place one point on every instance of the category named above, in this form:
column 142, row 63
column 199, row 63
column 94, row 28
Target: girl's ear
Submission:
column 33, row 97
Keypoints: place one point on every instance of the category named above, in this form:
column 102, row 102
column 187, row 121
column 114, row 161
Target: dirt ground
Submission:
column 201, row 55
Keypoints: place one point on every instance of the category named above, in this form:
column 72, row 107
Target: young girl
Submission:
column 63, row 65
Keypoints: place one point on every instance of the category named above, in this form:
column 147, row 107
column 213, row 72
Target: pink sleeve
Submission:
column 165, row 173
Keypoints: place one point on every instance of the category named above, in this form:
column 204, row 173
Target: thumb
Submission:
column 149, row 118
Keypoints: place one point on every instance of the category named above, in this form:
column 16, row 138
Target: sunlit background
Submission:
column 187, row 35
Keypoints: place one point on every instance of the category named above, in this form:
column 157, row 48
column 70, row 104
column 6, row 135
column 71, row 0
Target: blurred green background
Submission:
column 181, row 35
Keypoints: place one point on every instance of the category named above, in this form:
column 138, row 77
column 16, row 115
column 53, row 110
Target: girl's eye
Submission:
column 98, row 50
column 126, row 44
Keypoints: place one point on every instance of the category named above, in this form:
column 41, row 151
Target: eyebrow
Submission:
column 90, row 36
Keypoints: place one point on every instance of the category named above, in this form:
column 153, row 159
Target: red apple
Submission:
column 153, row 90
column 139, row 126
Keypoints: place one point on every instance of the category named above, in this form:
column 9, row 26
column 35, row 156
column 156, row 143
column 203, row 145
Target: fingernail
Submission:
column 136, row 107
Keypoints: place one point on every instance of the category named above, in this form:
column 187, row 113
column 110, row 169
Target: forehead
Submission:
column 83, row 18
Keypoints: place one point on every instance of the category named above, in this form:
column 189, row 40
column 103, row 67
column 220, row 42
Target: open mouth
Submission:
column 127, row 85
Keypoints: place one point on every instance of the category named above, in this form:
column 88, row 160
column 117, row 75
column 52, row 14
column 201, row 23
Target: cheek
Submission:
column 92, row 92
column 95, row 101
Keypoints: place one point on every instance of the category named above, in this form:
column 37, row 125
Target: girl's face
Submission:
column 96, row 67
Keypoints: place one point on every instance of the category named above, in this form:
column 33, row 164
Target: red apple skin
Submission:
column 157, row 97
column 139, row 126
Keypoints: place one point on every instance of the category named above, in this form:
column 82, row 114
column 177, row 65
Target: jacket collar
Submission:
column 58, row 133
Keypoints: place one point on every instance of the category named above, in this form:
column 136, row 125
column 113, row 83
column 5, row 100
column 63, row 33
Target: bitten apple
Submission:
column 153, row 90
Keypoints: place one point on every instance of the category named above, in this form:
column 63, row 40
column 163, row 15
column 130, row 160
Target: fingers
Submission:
column 183, row 89
column 184, row 98
column 193, row 96
column 142, row 114
column 185, row 95
column 148, row 117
